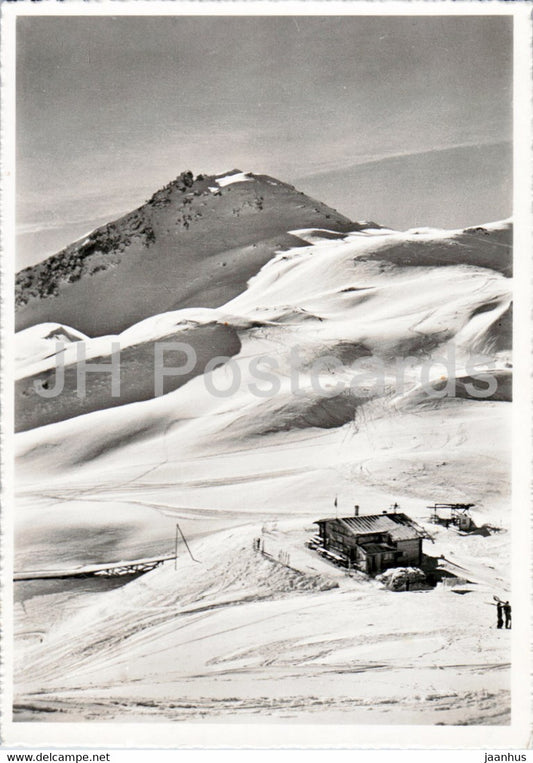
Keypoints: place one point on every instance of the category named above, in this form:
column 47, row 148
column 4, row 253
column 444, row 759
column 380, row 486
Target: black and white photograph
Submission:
column 263, row 411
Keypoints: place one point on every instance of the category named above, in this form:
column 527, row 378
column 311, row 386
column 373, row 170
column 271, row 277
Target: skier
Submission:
column 499, row 614
column 507, row 612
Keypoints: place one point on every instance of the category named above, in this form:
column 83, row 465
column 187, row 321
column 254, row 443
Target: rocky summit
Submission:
column 195, row 242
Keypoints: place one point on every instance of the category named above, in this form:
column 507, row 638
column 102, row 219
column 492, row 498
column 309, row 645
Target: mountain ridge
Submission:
column 205, row 236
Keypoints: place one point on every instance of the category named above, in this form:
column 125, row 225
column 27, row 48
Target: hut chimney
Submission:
column 356, row 510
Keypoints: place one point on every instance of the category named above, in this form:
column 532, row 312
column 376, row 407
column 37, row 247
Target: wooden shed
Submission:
column 373, row 542
column 457, row 514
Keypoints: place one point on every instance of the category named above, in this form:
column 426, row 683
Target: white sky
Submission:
column 110, row 109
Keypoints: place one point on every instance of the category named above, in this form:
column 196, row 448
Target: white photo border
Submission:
column 183, row 735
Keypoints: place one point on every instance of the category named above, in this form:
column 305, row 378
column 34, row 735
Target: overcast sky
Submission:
column 109, row 109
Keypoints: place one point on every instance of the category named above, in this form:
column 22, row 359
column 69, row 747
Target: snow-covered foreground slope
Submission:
column 323, row 393
column 239, row 636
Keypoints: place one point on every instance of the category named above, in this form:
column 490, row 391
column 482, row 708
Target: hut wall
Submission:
column 411, row 551
column 338, row 539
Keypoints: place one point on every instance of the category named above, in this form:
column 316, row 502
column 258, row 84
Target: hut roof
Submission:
column 399, row 526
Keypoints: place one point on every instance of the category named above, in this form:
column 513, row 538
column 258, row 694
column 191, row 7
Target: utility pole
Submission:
column 179, row 532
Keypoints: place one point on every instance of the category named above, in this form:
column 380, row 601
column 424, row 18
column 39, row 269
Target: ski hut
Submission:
column 373, row 542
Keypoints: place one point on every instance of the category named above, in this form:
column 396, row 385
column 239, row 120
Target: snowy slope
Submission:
column 335, row 297
column 238, row 635
column 346, row 325
column 37, row 343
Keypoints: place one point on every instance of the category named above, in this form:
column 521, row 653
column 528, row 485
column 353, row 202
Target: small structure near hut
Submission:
column 457, row 514
column 403, row 579
column 371, row 543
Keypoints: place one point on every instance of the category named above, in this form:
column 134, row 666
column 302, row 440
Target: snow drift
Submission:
column 334, row 360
